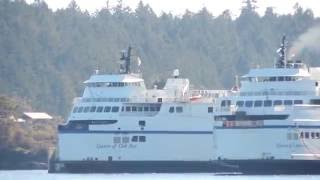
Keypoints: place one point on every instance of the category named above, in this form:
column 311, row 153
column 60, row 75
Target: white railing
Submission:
column 210, row 93
column 197, row 95
column 279, row 93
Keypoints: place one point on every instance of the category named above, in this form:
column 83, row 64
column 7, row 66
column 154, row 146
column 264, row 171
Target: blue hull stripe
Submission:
column 270, row 127
column 183, row 132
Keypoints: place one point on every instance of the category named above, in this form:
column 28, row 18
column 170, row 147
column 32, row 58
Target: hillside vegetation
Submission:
column 45, row 56
column 24, row 145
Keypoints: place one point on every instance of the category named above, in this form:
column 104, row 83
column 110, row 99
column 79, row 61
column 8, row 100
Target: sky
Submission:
column 178, row 7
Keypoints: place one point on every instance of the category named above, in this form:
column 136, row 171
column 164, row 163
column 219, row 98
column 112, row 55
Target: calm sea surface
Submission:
column 43, row 175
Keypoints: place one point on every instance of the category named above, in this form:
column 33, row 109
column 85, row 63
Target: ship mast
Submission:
column 282, row 61
column 125, row 61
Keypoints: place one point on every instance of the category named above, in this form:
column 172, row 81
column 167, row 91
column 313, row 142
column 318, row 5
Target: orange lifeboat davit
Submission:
column 196, row 97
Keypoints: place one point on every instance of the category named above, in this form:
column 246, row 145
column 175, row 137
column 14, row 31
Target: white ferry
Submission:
column 268, row 125
column 271, row 125
column 119, row 125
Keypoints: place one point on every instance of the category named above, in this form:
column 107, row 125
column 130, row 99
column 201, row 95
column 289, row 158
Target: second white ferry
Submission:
column 272, row 124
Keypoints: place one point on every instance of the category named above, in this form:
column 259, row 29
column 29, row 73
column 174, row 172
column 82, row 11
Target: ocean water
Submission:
column 43, row 175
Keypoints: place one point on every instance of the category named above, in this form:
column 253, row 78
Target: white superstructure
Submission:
column 120, row 125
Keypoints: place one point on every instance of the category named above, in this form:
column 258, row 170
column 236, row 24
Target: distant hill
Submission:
column 45, row 56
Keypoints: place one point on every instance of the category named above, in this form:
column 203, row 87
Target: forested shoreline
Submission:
column 45, row 56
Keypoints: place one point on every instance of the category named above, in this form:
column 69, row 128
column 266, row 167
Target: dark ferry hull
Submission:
column 136, row 167
column 249, row 167
column 274, row 167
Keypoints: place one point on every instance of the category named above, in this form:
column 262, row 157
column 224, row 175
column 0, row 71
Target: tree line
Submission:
column 45, row 56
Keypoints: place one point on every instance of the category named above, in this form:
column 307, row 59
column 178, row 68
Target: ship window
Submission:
column 272, row 78
column 75, row 109
column 210, row 109
column 312, row 135
column 134, row 108
column 80, row 109
column 225, row 103
column 146, row 108
column 301, row 135
column 93, row 108
column 257, row 103
column 107, row 109
column 140, row 108
column 315, row 101
column 297, row 102
column 171, row 109
column 287, row 102
column 240, row 103
column 280, row 78
column 110, row 99
column 128, row 108
column 248, row 103
column 125, row 139
column 134, row 139
column 158, row 108
column 288, row 78
column 277, row 102
column 152, row 108
column 306, row 135
column 142, row 123
column 179, row 109
column 99, row 109
column 142, row 139
column 86, row 109
column 115, row 109
column 317, row 135
column 267, row 103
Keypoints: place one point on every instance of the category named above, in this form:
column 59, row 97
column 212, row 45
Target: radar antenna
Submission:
column 125, row 58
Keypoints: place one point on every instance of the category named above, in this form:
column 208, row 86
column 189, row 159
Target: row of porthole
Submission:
column 261, row 103
column 100, row 109
column 86, row 109
column 303, row 135
column 309, row 135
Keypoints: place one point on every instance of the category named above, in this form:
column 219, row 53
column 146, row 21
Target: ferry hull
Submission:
column 250, row 167
column 274, row 167
column 135, row 167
